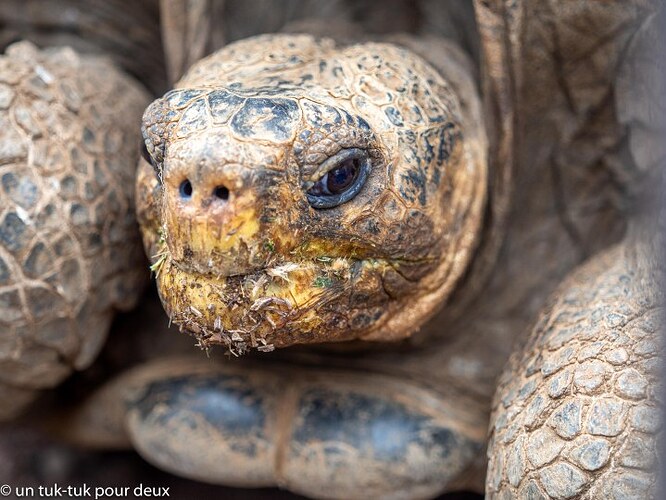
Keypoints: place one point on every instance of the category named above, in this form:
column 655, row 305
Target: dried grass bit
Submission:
column 282, row 272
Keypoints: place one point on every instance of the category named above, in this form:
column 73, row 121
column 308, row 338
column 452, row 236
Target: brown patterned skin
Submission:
column 264, row 119
column 69, row 249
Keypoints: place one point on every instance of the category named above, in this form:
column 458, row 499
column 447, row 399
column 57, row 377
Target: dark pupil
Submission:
column 341, row 177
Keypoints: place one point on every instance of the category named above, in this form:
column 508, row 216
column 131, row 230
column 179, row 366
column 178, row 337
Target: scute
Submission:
column 267, row 119
column 223, row 104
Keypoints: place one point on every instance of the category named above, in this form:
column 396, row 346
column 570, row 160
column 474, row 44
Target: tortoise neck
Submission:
column 459, row 69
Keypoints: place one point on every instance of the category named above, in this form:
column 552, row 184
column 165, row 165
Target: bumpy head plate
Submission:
column 300, row 192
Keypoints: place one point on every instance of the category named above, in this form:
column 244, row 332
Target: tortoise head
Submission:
column 301, row 192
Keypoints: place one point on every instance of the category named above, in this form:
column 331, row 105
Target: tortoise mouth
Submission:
column 308, row 301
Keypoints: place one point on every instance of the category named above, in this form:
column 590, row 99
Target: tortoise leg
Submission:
column 69, row 249
column 333, row 434
column 576, row 412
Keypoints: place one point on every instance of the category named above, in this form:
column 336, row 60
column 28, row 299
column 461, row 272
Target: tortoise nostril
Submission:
column 221, row 193
column 185, row 189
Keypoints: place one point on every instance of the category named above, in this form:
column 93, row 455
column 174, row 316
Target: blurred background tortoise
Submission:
column 382, row 182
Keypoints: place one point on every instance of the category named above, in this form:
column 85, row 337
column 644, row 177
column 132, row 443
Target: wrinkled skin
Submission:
column 410, row 419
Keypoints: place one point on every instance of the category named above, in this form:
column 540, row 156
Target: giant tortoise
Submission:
column 454, row 204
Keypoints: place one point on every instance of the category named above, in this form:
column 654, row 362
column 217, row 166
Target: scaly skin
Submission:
column 577, row 411
column 265, row 269
column 69, row 248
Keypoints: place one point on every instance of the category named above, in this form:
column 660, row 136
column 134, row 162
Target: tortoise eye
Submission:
column 347, row 172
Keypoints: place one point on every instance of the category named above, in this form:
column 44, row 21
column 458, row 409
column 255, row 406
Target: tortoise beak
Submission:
column 217, row 211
